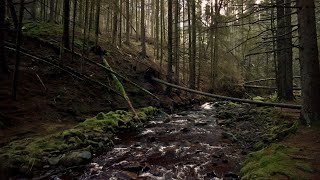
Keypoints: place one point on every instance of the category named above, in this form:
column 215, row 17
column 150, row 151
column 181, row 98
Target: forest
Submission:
column 160, row 89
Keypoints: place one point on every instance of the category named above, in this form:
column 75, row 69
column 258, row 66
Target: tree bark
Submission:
column 18, row 47
column 115, row 22
column 177, row 40
column 284, row 55
column 3, row 61
column 120, row 24
column 309, row 62
column 128, row 22
column 143, row 31
column 13, row 14
column 192, row 62
column 97, row 23
column 66, row 24
column 170, row 58
column 51, row 16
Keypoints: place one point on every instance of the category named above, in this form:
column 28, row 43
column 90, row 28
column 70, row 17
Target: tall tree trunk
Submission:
column 80, row 17
column 18, row 48
column 120, row 23
column 192, row 78
column 161, row 31
column 212, row 29
column 189, row 39
column 216, row 47
column 183, row 45
column 143, row 31
column 91, row 18
column 3, row 61
column 157, row 29
column 289, row 56
column 169, row 67
column 137, row 22
column 13, row 13
column 51, row 16
column 128, row 22
column 115, row 22
column 177, row 40
column 97, row 23
column 66, row 23
column 34, row 10
column 74, row 25
column 309, row 61
column 284, row 81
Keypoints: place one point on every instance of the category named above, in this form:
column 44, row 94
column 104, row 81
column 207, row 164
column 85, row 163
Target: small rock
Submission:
column 244, row 118
column 151, row 139
column 214, row 164
column 211, row 175
column 200, row 123
column 231, row 175
column 167, row 120
column 244, row 153
column 225, row 115
column 185, row 130
column 76, row 158
column 216, row 155
column 229, row 136
column 54, row 160
column 133, row 167
column 222, row 122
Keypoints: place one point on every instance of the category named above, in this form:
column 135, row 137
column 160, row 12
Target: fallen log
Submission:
column 282, row 105
column 95, row 63
column 266, row 87
column 266, row 79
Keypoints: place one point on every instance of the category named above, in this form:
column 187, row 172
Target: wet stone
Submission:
column 225, row 161
column 134, row 167
column 231, row 175
column 200, row 123
column 151, row 139
column 211, row 175
column 185, row 130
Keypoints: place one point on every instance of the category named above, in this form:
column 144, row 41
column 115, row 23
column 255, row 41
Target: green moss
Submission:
column 36, row 29
column 277, row 126
column 91, row 135
column 272, row 161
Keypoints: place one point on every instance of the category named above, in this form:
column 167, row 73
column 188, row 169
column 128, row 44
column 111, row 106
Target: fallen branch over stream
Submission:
column 282, row 105
column 266, row 79
column 265, row 87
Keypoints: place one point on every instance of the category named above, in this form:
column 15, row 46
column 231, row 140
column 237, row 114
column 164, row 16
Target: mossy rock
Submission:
column 273, row 161
column 94, row 134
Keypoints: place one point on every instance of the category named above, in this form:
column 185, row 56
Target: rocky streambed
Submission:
column 205, row 142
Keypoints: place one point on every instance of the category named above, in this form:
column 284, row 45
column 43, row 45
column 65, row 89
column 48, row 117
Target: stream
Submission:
column 205, row 142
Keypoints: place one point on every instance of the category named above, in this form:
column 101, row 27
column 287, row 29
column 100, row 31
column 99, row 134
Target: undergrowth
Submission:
column 270, row 159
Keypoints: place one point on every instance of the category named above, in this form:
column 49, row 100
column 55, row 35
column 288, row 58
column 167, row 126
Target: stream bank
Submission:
column 205, row 142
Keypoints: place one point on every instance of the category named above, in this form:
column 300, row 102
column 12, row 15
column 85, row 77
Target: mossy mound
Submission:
column 273, row 162
column 43, row 30
column 73, row 145
column 277, row 126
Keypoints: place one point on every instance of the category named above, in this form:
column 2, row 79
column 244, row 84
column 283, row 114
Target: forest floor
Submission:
column 50, row 100
column 307, row 139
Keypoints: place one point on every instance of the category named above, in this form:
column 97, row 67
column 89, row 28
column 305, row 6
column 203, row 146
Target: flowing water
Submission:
column 187, row 145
